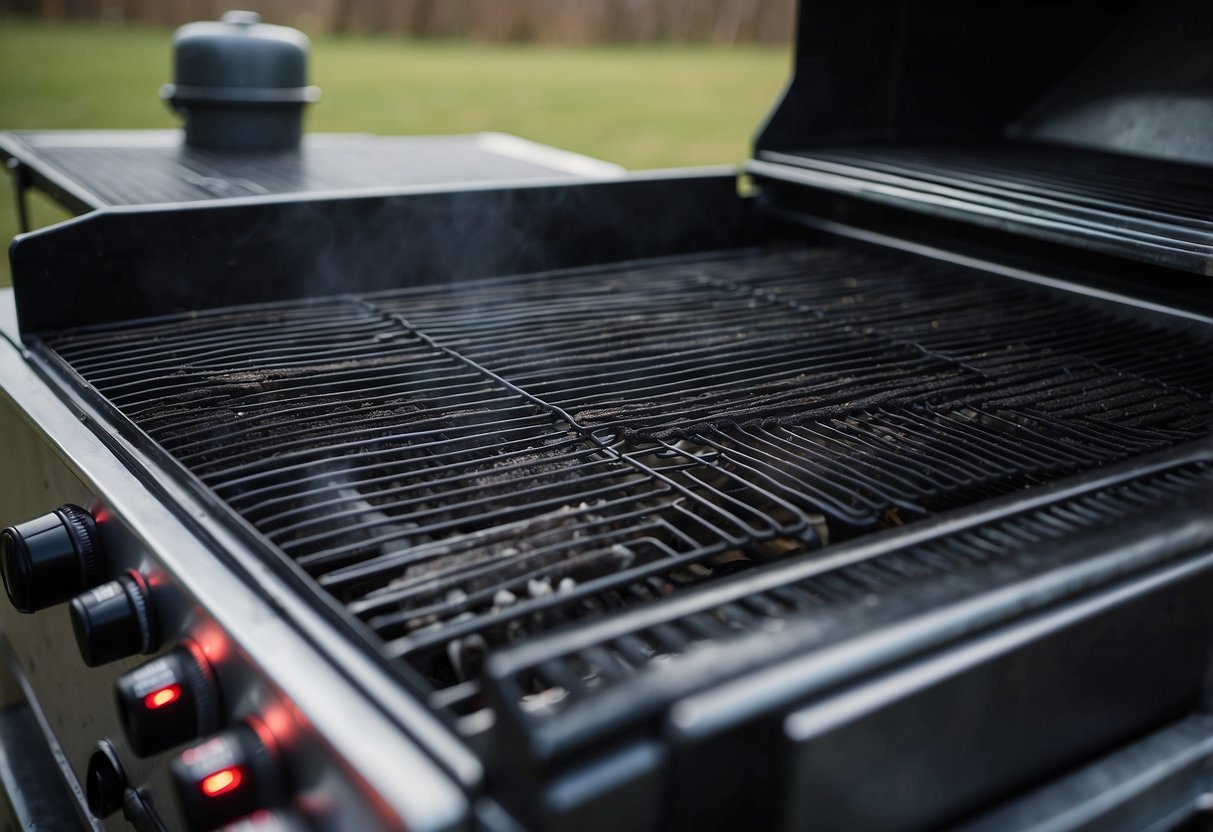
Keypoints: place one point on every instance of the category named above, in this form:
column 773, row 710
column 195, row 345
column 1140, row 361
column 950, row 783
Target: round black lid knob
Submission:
column 168, row 701
column 227, row 777
column 49, row 559
column 114, row 620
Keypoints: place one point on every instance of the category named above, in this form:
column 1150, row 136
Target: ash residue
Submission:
column 576, row 542
column 259, row 376
column 786, row 402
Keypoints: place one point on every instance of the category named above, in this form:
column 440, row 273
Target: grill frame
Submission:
column 398, row 690
column 1118, row 227
column 914, row 598
column 866, row 71
column 115, row 264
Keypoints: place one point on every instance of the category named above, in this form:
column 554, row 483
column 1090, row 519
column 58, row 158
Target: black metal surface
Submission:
column 122, row 263
column 1065, row 685
column 1090, row 130
column 35, row 794
column 1139, row 196
column 1118, row 201
column 612, row 674
column 100, row 169
column 1126, row 76
column 465, row 467
column 1160, row 783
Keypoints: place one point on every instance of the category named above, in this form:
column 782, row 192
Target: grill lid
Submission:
column 1084, row 123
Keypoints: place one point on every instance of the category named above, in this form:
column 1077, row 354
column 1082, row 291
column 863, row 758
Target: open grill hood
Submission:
column 1081, row 123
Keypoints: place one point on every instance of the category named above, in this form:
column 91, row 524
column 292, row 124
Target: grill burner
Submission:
column 468, row 466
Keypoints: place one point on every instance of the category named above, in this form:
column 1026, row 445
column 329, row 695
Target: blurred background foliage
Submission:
column 498, row 21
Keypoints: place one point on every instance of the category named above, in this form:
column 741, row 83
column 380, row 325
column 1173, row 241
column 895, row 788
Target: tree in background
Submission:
column 513, row 21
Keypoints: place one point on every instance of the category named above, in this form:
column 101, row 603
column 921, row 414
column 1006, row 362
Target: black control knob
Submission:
column 114, row 620
column 49, row 559
column 105, row 782
column 228, row 777
column 168, row 701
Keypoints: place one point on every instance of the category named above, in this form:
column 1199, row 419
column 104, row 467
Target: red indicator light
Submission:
column 221, row 782
column 164, row 696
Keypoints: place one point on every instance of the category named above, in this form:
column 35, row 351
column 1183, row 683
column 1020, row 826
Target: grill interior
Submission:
column 466, row 467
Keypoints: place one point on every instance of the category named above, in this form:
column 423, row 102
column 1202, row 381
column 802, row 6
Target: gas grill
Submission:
column 873, row 493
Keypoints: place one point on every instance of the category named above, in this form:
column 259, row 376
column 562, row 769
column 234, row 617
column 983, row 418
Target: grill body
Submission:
column 614, row 525
column 874, row 496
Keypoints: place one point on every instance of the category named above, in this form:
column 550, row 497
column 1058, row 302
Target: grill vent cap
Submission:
column 240, row 84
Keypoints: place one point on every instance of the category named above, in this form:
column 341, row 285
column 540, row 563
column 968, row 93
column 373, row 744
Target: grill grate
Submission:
column 668, row 353
column 465, row 467
column 548, row 679
column 412, row 487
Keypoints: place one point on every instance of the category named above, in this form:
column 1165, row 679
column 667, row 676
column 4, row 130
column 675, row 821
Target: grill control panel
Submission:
column 232, row 778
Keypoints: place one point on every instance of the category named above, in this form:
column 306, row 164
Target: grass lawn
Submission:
column 643, row 107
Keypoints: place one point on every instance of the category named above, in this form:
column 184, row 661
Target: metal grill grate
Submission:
column 465, row 467
column 547, row 681
column 872, row 392
column 409, row 485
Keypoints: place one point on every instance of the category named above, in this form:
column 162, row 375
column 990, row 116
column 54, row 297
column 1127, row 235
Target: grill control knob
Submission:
column 114, row 620
column 105, row 783
column 227, row 777
column 168, row 701
column 49, row 559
